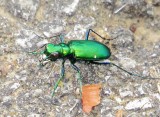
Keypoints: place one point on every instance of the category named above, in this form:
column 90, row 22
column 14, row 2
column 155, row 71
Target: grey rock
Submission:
column 34, row 115
column 125, row 93
column 37, row 92
column 124, row 38
column 156, row 2
column 23, row 9
column 70, row 9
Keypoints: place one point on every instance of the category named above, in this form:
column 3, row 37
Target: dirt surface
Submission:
column 26, row 87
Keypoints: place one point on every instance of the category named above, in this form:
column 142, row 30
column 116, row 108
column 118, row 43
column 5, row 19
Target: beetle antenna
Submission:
column 38, row 35
column 44, row 36
column 36, row 52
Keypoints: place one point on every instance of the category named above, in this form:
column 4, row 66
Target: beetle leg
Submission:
column 87, row 34
column 61, row 36
column 79, row 75
column 130, row 73
column 61, row 77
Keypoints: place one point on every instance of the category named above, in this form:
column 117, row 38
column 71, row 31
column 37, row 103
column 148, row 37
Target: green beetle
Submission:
column 77, row 49
column 87, row 50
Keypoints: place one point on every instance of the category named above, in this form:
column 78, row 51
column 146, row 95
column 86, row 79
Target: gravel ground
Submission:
column 25, row 86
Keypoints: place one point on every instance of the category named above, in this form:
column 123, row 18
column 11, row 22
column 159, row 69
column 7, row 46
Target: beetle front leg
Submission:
column 79, row 75
column 61, row 77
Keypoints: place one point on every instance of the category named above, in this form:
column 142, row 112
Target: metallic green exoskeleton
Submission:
column 87, row 50
column 77, row 49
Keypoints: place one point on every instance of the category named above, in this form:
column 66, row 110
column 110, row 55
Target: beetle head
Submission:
column 52, row 52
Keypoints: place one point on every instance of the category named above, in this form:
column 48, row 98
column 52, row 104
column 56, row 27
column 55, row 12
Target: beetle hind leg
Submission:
column 128, row 72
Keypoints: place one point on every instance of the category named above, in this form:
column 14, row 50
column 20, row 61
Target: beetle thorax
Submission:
column 62, row 48
column 65, row 49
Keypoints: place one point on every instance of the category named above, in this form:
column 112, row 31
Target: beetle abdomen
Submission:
column 89, row 50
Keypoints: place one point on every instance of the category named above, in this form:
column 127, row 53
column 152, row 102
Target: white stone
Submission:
column 71, row 8
column 128, row 63
column 15, row 86
column 41, row 43
column 142, row 103
column 124, row 93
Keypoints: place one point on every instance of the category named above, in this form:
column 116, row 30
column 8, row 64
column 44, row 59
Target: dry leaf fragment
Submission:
column 90, row 96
